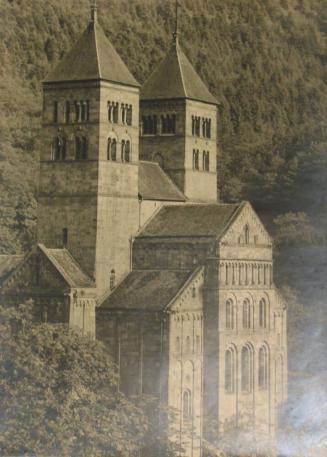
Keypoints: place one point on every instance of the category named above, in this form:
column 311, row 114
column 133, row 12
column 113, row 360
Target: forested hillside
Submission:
column 264, row 60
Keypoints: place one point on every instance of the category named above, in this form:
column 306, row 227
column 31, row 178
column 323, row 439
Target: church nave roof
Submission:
column 149, row 290
column 206, row 220
column 155, row 184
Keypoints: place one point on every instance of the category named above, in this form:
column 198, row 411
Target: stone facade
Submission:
column 175, row 151
column 179, row 287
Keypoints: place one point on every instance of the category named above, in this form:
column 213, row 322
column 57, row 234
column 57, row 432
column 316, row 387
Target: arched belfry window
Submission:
column 263, row 313
column 129, row 115
column 59, row 148
column 81, row 148
column 229, row 314
column 246, row 369
column 115, row 113
column 187, row 404
column 263, row 370
column 230, row 370
column 78, row 112
column 67, row 111
column 127, row 152
column 247, row 314
column 205, row 161
column 203, row 127
column 112, row 149
column 110, row 111
column 195, row 159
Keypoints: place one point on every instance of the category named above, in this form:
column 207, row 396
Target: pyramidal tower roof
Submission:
column 93, row 57
column 175, row 77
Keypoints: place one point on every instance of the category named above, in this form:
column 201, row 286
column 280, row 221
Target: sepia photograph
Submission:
column 163, row 228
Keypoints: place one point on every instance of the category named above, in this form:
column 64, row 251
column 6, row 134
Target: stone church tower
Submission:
column 179, row 125
column 139, row 253
column 89, row 162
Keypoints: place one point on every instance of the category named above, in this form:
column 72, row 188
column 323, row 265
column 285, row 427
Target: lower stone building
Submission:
column 140, row 253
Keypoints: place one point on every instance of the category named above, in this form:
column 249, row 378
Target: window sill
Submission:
column 121, row 124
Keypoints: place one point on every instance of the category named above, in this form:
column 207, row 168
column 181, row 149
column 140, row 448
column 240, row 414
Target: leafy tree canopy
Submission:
column 59, row 395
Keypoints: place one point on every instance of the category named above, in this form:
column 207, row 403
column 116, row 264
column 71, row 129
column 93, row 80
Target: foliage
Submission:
column 59, row 395
column 293, row 229
column 239, row 441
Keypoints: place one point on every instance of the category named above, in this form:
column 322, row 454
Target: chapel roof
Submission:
column 150, row 290
column 176, row 78
column 155, row 184
column 93, row 57
column 67, row 266
column 189, row 220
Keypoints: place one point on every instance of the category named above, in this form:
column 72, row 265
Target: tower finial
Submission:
column 176, row 32
column 94, row 11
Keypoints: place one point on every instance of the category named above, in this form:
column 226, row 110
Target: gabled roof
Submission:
column 150, row 290
column 8, row 264
column 154, row 184
column 206, row 220
column 93, row 57
column 67, row 266
column 175, row 78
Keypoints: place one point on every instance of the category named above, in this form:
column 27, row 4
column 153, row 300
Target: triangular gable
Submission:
column 187, row 297
column 43, row 268
column 245, row 223
column 35, row 271
column 67, row 266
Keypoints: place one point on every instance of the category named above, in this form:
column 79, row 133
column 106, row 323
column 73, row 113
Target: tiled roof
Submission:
column 146, row 290
column 174, row 78
column 93, row 57
column 8, row 263
column 67, row 267
column 154, row 184
column 190, row 220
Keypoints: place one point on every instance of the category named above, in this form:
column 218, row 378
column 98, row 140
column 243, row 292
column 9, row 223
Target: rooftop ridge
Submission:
column 97, row 49
column 56, row 264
